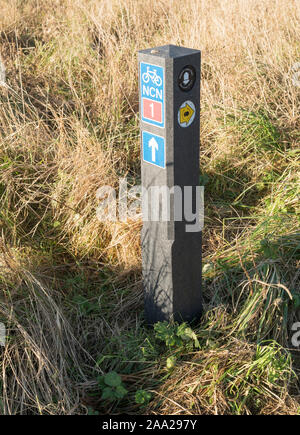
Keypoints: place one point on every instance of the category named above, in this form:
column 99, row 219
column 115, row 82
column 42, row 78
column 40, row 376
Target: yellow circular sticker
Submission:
column 186, row 113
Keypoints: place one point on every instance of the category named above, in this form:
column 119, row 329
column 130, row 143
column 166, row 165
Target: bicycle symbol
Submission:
column 151, row 75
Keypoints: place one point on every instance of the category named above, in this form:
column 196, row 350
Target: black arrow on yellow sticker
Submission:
column 186, row 113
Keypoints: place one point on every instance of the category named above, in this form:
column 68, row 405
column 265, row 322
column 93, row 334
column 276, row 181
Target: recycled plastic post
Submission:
column 169, row 78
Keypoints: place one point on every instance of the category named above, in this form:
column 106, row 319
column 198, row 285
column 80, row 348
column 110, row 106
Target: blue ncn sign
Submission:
column 154, row 149
column 152, row 94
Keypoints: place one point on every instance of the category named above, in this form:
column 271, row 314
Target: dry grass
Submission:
column 70, row 285
column 224, row 381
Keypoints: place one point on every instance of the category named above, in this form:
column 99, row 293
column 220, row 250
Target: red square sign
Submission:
column 152, row 110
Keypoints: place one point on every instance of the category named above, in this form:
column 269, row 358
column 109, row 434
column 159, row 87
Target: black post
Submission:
column 170, row 118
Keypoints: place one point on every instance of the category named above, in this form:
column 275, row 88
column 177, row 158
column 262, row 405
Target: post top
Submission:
column 168, row 51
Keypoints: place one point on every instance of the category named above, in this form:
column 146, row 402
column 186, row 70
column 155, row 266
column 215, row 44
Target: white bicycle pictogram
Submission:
column 151, row 75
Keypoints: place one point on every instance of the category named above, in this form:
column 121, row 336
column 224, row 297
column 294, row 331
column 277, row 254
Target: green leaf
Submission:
column 171, row 361
column 142, row 397
column 91, row 411
column 296, row 299
column 107, row 393
column 100, row 380
column 181, row 329
column 171, row 341
column 112, row 379
column 188, row 334
column 120, row 392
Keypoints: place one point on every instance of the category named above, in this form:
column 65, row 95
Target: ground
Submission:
column 71, row 295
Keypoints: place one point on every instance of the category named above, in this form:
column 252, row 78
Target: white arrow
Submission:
column 154, row 145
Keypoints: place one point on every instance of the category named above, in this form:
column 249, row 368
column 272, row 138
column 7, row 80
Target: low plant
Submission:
column 112, row 386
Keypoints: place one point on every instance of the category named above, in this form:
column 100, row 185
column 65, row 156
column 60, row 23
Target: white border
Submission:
column 141, row 98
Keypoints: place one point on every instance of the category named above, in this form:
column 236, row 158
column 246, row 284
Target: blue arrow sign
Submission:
column 153, row 149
